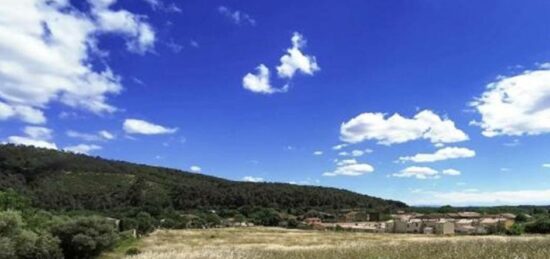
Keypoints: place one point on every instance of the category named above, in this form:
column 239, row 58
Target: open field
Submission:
column 289, row 244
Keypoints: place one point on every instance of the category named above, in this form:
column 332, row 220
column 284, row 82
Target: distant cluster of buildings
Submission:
column 441, row 224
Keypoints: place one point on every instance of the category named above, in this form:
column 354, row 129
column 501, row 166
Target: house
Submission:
column 428, row 230
column 469, row 215
column 312, row 221
column 444, row 228
column 409, row 226
column 354, row 216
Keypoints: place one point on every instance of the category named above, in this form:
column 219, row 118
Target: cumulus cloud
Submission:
column 253, row 179
column 24, row 113
column 295, row 60
column 546, row 165
column 516, row 105
column 195, row 168
column 318, row 153
column 440, row 155
column 99, row 136
column 418, row 172
column 421, row 172
column 135, row 126
column 451, row 172
column 350, row 167
column 82, row 148
column 236, row 16
column 34, row 136
column 484, row 198
column 398, row 129
column 355, row 152
column 259, row 82
column 47, row 48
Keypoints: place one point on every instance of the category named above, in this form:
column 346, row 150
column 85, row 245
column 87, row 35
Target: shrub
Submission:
column 85, row 237
column 128, row 224
column 29, row 245
column 541, row 226
column 145, row 223
column 521, row 217
column 133, row 251
column 515, row 230
column 10, row 223
column 7, row 248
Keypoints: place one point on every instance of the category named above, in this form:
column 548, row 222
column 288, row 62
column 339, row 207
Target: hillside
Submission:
column 66, row 181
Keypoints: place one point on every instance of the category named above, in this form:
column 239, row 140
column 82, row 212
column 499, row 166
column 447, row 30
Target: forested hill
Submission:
column 61, row 180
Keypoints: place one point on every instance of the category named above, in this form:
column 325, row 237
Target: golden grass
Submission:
column 293, row 244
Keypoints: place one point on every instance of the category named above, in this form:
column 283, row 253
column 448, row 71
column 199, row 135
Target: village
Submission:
column 467, row 223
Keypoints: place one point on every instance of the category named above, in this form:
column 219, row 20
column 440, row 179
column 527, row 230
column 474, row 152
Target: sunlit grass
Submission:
column 290, row 244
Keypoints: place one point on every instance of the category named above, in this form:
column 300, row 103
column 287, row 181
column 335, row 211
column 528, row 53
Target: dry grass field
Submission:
column 290, row 244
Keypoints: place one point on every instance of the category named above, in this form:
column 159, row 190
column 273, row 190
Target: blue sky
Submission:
column 436, row 102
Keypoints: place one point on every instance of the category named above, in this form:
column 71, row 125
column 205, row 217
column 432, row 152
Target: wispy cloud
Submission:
column 236, row 16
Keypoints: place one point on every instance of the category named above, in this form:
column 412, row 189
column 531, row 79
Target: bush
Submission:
column 266, row 217
column 10, row 223
column 521, row 217
column 85, row 237
column 541, row 226
column 30, row 245
column 133, row 251
column 128, row 224
column 7, row 248
column 145, row 223
column 515, row 230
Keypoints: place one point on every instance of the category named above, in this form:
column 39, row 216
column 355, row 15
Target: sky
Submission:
column 428, row 102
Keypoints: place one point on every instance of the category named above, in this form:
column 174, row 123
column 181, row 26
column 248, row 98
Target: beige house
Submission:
column 444, row 228
column 409, row 226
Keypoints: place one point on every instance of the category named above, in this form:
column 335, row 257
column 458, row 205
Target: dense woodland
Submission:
column 65, row 181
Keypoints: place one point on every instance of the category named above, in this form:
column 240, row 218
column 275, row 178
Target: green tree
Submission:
column 11, row 200
column 85, row 237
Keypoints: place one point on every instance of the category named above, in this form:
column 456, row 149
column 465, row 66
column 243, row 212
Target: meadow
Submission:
column 260, row 242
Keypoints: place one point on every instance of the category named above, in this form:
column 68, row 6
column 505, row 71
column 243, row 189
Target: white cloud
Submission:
column 195, row 168
column 291, row 62
column 194, row 44
column 339, row 146
column 355, row 153
column 38, row 132
column 82, row 148
column 99, row 136
column 350, row 167
column 259, row 83
column 440, row 155
column 397, row 129
column 134, row 126
column 418, row 172
column 451, row 172
column 318, row 153
column 516, row 105
column 24, row 113
column 546, row 165
column 253, row 179
column 236, row 16
column 141, row 37
column 47, row 48
column 485, row 198
column 158, row 5
column 34, row 136
column 106, row 135
column 295, row 60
